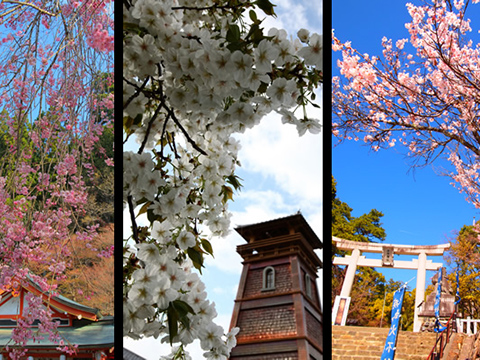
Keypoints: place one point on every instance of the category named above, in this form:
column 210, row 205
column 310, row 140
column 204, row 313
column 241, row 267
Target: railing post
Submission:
column 469, row 331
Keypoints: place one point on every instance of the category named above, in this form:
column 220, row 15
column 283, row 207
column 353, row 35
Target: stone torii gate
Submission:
column 388, row 251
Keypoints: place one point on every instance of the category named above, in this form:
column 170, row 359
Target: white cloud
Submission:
column 315, row 220
column 259, row 206
column 315, row 16
column 219, row 290
column 294, row 162
column 262, row 204
column 270, row 22
column 292, row 15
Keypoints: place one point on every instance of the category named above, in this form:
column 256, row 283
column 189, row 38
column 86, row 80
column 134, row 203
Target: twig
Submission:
column 132, row 217
column 149, row 127
column 189, row 139
column 31, row 5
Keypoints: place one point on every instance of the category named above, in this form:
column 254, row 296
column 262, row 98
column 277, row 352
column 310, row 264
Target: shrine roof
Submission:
column 60, row 303
column 94, row 334
column 70, row 306
column 279, row 227
column 130, row 355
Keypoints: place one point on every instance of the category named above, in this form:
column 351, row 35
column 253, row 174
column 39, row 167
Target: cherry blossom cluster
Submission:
column 52, row 114
column 194, row 74
column 166, row 284
column 423, row 93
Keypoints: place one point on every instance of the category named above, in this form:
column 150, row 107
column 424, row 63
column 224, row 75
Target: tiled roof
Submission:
column 64, row 304
column 98, row 333
column 279, row 227
column 129, row 355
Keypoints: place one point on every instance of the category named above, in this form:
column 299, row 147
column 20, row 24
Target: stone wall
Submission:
column 470, row 349
column 365, row 343
column 267, row 323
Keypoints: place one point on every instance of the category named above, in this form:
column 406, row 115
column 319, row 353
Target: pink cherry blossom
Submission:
column 423, row 96
column 48, row 67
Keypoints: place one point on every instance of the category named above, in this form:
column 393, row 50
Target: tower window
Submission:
column 308, row 285
column 268, row 278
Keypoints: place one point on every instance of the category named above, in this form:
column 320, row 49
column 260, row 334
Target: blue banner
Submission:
column 390, row 343
column 438, row 327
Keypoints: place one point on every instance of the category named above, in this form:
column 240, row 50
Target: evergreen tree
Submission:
column 368, row 284
column 371, row 293
column 365, row 228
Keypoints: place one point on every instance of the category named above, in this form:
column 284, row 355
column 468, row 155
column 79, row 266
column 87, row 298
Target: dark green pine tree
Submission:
column 365, row 228
column 369, row 284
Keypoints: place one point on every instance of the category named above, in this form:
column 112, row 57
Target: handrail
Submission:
column 434, row 355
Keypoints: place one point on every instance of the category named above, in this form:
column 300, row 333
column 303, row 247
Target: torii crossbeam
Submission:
column 388, row 250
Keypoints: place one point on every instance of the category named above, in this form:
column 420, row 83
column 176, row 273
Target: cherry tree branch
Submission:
column 22, row 3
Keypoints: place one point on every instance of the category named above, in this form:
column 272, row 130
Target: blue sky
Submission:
column 281, row 172
column 420, row 206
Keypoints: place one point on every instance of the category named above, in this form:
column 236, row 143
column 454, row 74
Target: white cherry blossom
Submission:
column 313, row 53
column 192, row 79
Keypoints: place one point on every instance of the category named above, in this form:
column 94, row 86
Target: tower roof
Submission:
column 280, row 237
column 278, row 227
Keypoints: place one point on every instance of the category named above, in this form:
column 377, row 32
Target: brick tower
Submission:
column 278, row 307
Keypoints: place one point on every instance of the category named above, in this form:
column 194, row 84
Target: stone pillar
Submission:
column 420, row 291
column 350, row 275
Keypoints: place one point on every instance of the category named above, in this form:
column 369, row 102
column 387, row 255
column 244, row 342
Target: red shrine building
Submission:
column 277, row 307
column 78, row 324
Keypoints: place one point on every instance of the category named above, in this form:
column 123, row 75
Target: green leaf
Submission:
column 233, row 33
column 266, row 6
column 234, row 46
column 253, row 15
column 172, row 317
column 227, row 193
column 127, row 122
column 196, row 257
column 258, row 35
column 207, row 246
column 152, row 217
column 234, row 180
column 182, row 308
column 138, row 120
column 262, row 88
column 144, row 208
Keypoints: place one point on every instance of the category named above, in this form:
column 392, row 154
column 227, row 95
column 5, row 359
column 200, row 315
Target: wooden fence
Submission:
column 468, row 326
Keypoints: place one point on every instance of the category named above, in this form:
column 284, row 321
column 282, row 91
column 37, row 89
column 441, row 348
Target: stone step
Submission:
column 365, row 343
